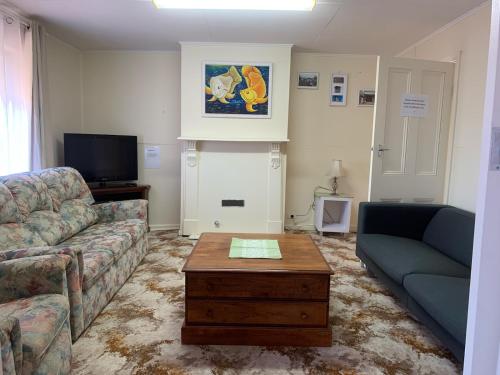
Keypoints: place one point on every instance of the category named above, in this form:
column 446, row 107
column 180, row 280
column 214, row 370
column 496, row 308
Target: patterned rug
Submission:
column 139, row 331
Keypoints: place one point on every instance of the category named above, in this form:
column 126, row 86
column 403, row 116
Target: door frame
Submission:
column 482, row 352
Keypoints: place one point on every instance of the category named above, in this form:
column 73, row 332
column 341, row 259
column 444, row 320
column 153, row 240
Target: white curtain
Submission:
column 16, row 76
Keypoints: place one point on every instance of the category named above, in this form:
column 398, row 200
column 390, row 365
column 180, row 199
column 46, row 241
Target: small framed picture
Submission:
column 366, row 98
column 308, row 80
column 338, row 90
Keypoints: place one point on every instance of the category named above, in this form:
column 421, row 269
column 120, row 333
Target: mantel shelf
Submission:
column 267, row 140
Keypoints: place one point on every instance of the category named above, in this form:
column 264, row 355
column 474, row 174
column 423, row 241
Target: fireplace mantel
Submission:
column 205, row 139
column 213, row 170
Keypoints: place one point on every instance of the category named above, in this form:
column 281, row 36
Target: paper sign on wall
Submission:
column 414, row 105
column 152, row 157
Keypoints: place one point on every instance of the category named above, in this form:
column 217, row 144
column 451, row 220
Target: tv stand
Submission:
column 110, row 193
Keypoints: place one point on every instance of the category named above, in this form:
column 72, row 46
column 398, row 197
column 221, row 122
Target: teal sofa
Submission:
column 423, row 253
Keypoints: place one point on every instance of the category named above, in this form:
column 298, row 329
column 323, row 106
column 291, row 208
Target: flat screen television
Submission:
column 102, row 158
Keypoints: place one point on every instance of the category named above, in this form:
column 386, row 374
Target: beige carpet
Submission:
column 139, row 331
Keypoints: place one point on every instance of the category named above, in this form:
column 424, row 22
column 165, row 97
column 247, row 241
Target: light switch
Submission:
column 495, row 149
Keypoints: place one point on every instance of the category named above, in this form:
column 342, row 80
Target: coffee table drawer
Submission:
column 270, row 313
column 257, row 285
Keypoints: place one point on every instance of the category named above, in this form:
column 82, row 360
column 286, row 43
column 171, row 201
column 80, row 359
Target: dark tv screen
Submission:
column 102, row 158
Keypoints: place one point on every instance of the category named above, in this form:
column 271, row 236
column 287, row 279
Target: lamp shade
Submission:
column 335, row 169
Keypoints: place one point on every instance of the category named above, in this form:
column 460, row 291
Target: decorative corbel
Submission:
column 191, row 153
column 275, row 155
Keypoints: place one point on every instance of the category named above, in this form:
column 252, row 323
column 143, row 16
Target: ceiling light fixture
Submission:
column 304, row 5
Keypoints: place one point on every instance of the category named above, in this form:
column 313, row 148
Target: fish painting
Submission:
column 222, row 86
column 237, row 90
column 256, row 90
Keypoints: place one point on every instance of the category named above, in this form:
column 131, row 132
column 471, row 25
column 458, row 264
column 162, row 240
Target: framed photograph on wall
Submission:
column 366, row 98
column 241, row 90
column 338, row 89
column 308, row 80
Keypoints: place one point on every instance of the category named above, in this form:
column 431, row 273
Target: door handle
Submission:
column 381, row 150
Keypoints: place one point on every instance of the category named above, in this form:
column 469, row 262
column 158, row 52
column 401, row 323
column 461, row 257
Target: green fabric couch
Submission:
column 423, row 253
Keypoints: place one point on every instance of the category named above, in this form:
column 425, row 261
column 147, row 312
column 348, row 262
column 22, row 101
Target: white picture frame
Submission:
column 269, row 89
column 366, row 98
column 338, row 89
column 308, row 80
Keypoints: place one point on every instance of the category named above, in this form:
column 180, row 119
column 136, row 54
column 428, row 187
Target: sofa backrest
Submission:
column 451, row 231
column 51, row 206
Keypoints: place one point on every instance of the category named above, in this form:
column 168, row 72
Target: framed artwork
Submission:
column 338, row 89
column 241, row 90
column 308, row 80
column 366, row 98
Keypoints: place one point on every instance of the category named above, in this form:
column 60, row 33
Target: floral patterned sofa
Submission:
column 35, row 335
column 51, row 212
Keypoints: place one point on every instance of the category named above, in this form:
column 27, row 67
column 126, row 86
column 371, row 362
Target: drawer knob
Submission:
column 210, row 287
column 305, row 288
column 210, row 313
column 304, row 316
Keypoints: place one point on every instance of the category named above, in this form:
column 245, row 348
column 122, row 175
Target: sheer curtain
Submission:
column 16, row 76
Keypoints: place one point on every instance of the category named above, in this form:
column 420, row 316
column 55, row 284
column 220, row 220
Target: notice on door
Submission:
column 414, row 105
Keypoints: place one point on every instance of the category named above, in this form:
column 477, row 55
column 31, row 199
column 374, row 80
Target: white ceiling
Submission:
column 339, row 26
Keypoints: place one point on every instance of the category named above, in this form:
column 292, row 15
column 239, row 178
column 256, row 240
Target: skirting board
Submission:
column 154, row 227
column 311, row 227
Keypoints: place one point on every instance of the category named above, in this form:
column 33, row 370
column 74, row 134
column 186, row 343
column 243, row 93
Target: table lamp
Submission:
column 334, row 173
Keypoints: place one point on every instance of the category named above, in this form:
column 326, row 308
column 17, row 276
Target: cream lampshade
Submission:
column 334, row 173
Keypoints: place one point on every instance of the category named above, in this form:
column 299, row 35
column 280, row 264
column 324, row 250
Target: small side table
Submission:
column 332, row 213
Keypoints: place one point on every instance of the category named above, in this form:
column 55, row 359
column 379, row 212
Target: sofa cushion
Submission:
column 29, row 191
column 65, row 183
column 96, row 262
column 398, row 257
column 8, row 207
column 49, row 226
column 18, row 236
column 444, row 298
column 451, row 231
column 41, row 318
column 117, row 243
column 78, row 215
column 133, row 228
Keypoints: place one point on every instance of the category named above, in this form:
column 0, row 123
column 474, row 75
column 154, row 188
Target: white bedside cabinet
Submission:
column 332, row 213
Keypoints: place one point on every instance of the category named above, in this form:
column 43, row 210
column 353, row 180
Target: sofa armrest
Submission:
column 122, row 210
column 396, row 219
column 11, row 350
column 28, row 277
column 74, row 276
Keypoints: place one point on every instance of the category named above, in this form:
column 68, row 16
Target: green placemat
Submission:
column 257, row 249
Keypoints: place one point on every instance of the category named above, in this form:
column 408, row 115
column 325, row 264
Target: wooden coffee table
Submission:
column 257, row 301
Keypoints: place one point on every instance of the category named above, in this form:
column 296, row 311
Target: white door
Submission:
column 408, row 161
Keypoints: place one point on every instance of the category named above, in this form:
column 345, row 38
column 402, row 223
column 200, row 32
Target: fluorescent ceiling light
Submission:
column 237, row 4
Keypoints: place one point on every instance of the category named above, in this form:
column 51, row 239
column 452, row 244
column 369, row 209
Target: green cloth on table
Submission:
column 257, row 249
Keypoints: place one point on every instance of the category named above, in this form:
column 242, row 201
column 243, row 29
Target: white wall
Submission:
column 468, row 34
column 138, row 93
column 319, row 133
column 62, row 99
column 196, row 126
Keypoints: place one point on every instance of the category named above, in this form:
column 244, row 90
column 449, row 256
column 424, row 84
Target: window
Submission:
column 15, row 96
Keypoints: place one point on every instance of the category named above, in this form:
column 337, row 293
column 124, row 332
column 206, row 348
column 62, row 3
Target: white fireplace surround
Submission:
column 235, row 170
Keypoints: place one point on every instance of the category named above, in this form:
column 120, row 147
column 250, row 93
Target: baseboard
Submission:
column 311, row 227
column 154, row 227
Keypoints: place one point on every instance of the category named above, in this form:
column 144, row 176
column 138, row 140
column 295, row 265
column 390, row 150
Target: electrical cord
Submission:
column 312, row 205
